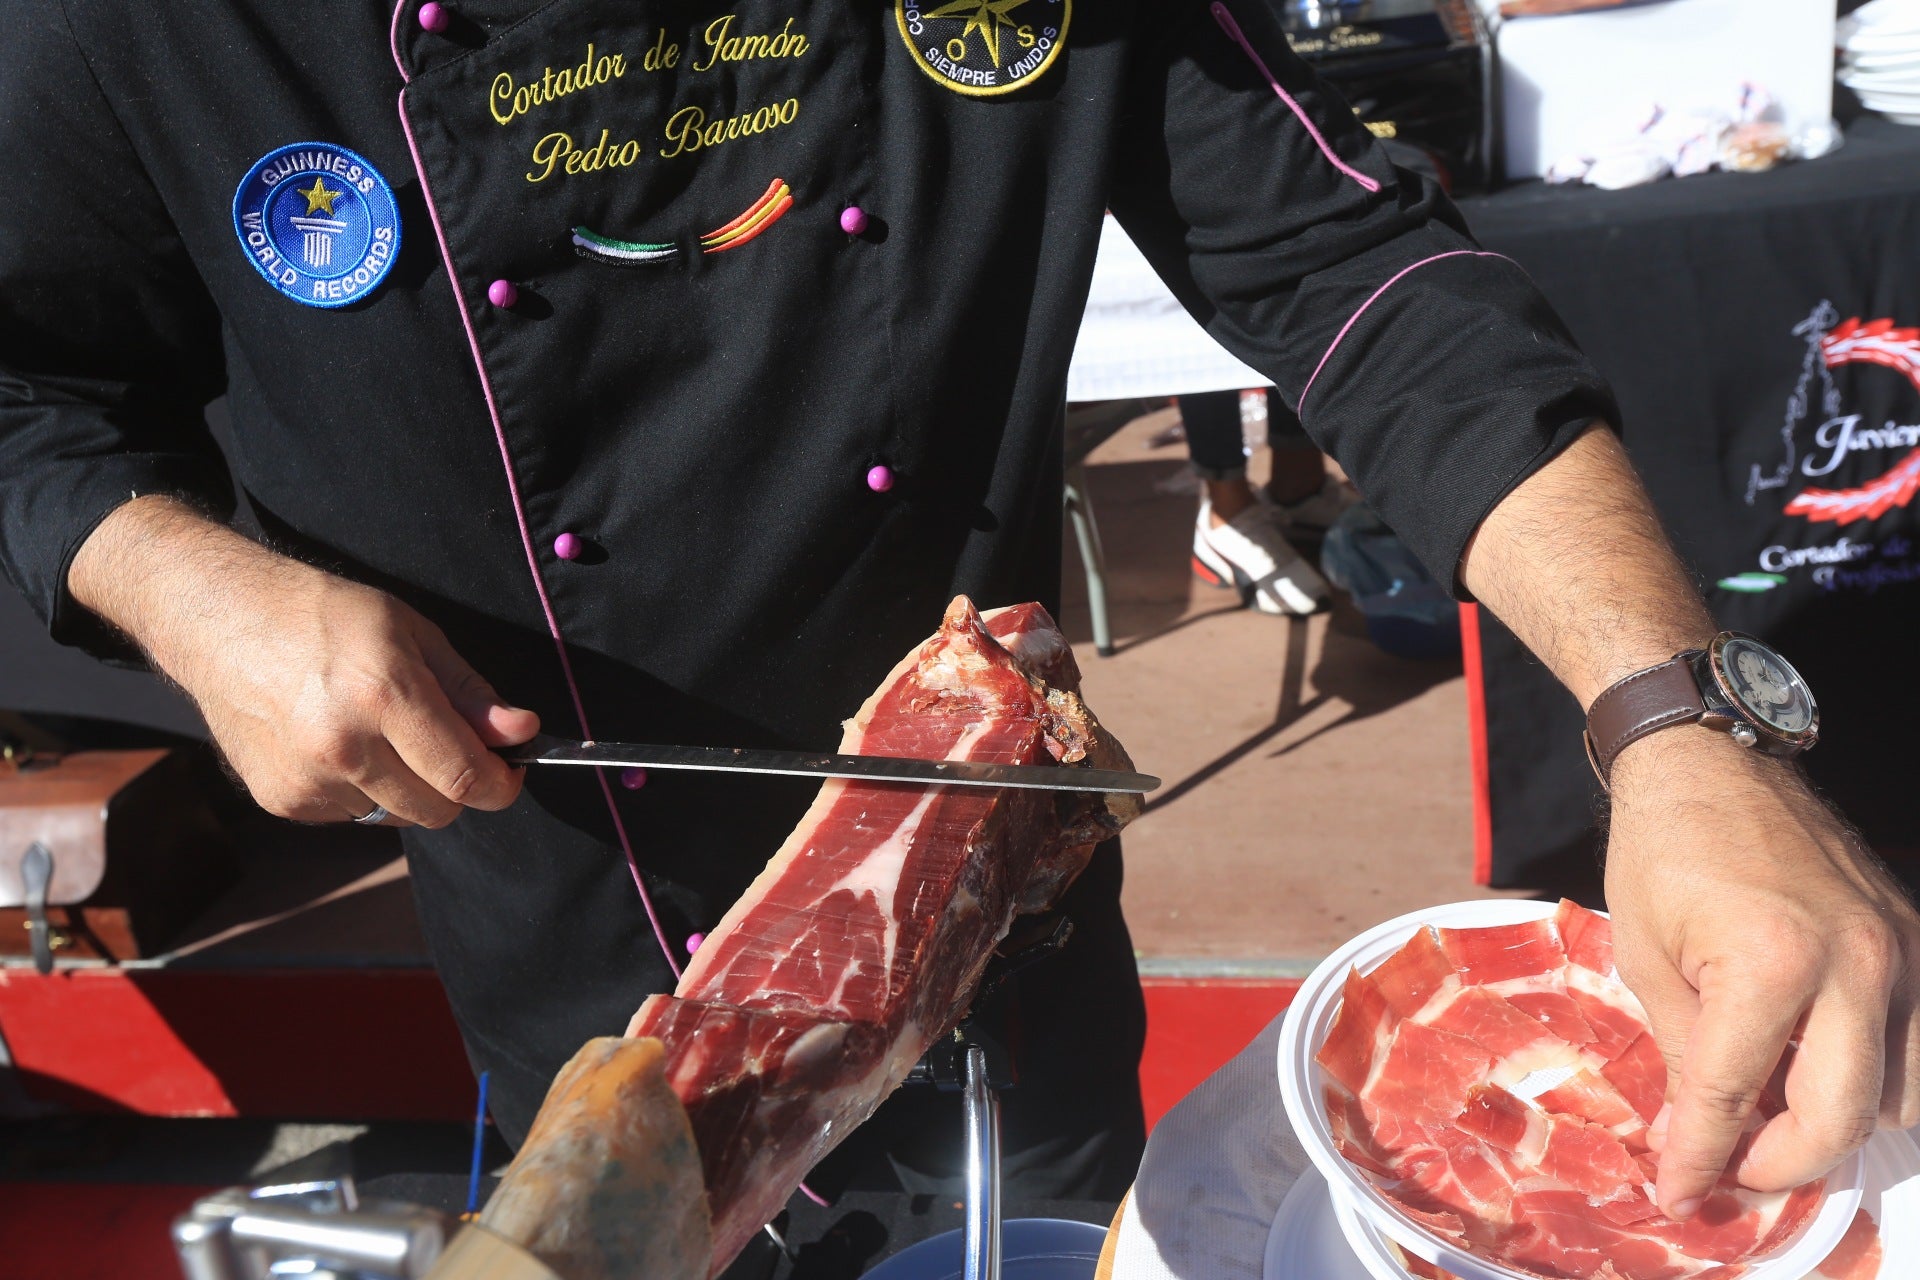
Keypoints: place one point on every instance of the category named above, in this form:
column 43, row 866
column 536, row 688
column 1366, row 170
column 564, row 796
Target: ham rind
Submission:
column 1857, row 1256
column 1559, row 1186
column 864, row 937
column 1498, row 953
column 1586, row 936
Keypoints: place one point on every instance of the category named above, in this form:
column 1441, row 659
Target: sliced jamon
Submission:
column 1359, row 1034
column 1518, row 1044
column 1587, row 937
column 1557, row 1012
column 1425, row 1074
column 1640, row 1076
column 1587, row 1158
column 1556, row 1233
column 1353, row 1137
column 1412, row 976
column 865, row 935
column 1471, row 1182
column 1614, row 1027
column 1857, row 1256
column 1495, row 1116
column 1498, row 953
column 1435, row 1065
column 1421, row 1269
column 1589, row 1096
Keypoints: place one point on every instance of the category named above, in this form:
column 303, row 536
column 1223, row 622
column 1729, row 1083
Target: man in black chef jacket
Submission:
column 673, row 364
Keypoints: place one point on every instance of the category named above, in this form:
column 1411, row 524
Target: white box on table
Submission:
column 1572, row 83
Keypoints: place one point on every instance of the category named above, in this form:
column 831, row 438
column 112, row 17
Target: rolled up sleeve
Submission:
column 109, row 344
column 1434, row 371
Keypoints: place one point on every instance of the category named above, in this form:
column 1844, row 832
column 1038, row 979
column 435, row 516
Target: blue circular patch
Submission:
column 318, row 222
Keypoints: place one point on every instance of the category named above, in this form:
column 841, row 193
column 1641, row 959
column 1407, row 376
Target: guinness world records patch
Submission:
column 318, row 222
column 984, row 48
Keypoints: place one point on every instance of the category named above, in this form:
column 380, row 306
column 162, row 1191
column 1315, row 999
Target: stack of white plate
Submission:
column 1880, row 57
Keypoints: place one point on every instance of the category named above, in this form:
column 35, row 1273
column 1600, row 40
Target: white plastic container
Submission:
column 1302, row 1083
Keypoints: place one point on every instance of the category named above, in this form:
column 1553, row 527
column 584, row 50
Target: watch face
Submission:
column 1765, row 685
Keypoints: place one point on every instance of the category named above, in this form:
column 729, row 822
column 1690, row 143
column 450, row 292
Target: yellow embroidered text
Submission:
column 688, row 129
column 507, row 100
column 556, row 151
column 724, row 46
column 662, row 56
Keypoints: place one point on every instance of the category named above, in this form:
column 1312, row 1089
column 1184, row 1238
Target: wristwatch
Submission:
column 1737, row 685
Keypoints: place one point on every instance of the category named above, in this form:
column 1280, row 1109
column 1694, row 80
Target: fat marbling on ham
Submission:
column 864, row 937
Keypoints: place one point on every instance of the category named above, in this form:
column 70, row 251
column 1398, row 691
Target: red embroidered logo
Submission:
column 1879, row 342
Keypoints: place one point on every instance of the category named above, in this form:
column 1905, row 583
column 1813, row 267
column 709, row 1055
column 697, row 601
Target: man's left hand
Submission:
column 1772, row 951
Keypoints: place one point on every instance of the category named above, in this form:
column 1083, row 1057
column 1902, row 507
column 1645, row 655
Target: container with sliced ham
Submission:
column 1477, row 1082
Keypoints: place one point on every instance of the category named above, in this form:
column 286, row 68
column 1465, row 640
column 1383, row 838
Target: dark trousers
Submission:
column 1214, row 441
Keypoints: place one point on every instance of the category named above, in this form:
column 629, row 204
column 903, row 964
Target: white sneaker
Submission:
column 1251, row 555
column 1309, row 519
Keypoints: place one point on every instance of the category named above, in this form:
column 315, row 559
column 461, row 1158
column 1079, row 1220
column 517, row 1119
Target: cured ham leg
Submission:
column 864, row 937
column 607, row 1185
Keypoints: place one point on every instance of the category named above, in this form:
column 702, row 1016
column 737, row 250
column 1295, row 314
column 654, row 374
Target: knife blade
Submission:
column 546, row 749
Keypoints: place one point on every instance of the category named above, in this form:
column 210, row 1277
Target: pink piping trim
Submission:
column 526, row 540
column 1232, row 28
column 1300, row 409
column 393, row 43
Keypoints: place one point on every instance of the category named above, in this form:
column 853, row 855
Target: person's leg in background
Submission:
column 1307, row 497
column 1238, row 539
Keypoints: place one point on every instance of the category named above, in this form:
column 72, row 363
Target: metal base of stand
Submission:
column 983, row 1169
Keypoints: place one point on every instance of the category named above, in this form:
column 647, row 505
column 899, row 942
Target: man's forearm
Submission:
column 155, row 567
column 1575, row 563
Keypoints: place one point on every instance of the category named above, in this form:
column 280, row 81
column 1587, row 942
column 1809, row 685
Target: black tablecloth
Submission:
column 1705, row 300
column 858, row 1231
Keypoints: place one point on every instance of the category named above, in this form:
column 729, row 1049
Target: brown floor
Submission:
column 1313, row 784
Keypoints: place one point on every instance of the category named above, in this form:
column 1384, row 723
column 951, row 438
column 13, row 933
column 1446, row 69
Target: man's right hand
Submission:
column 328, row 698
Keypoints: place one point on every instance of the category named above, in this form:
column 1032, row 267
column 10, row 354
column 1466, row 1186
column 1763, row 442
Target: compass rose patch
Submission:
column 983, row 48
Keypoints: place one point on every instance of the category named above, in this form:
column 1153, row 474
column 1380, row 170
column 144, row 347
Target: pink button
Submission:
column 502, row 293
column 633, row 779
column 693, row 942
column 880, row 479
column 568, row 547
column 853, row 220
column 434, row 17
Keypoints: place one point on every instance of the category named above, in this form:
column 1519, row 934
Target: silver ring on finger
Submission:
column 374, row 819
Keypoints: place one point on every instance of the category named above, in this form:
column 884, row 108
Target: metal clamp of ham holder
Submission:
column 973, row 1062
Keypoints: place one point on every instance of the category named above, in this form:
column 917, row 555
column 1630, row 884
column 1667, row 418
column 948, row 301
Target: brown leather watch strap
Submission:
column 1637, row 706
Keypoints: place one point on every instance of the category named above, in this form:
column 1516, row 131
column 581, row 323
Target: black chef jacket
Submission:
column 705, row 424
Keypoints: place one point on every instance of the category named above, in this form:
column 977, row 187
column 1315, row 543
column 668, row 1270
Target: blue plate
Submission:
column 1030, row 1249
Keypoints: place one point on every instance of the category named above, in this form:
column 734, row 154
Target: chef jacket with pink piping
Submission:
column 725, row 343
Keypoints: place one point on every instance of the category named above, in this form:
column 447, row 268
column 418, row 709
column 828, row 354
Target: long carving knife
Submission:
column 819, row 764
